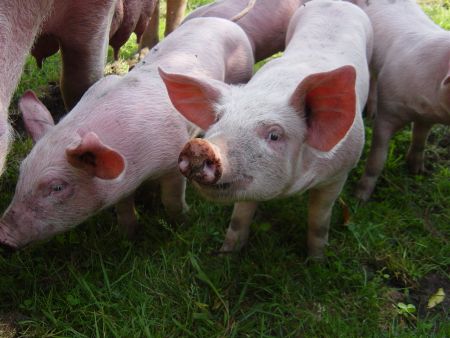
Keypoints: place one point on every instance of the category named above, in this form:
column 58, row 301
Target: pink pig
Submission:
column 295, row 126
column 79, row 28
column 123, row 131
column 264, row 21
column 411, row 82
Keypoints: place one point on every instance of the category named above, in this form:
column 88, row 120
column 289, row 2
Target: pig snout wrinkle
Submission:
column 199, row 162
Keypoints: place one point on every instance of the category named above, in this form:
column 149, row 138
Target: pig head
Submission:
column 65, row 189
column 269, row 152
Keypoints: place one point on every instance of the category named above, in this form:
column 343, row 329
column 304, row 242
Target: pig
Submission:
column 411, row 82
column 264, row 21
column 129, row 16
column 174, row 14
column 123, row 131
column 295, row 126
column 79, row 28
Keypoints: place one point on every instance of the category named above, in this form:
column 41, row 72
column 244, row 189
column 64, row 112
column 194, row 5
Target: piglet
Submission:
column 411, row 66
column 295, row 126
column 123, row 131
column 264, row 21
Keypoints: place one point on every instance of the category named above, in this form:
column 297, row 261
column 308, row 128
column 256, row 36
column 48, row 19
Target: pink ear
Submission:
column 193, row 98
column 36, row 117
column 328, row 101
column 96, row 158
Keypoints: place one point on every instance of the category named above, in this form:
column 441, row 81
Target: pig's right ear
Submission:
column 194, row 98
column 95, row 157
column 36, row 117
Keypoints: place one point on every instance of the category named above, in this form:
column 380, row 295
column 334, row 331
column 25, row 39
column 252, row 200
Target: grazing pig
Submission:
column 122, row 132
column 129, row 16
column 264, row 21
column 295, row 126
column 80, row 28
column 410, row 63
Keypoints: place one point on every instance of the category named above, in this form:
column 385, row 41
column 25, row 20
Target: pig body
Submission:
column 122, row 132
column 129, row 16
column 265, row 22
column 79, row 28
column 295, row 126
column 412, row 82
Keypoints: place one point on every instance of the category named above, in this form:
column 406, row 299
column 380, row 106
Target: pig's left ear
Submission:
column 36, row 117
column 328, row 102
column 96, row 158
column 194, row 98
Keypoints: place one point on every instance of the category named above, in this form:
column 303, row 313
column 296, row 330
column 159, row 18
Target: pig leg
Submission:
column 175, row 13
column 173, row 188
column 320, row 205
column 82, row 67
column 126, row 216
column 150, row 37
column 382, row 133
column 238, row 230
column 415, row 154
column 371, row 106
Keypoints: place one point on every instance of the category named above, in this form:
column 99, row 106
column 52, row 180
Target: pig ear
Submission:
column 36, row 117
column 194, row 98
column 328, row 102
column 96, row 158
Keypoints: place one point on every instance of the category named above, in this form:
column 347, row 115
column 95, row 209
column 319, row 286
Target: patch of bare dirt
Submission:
column 427, row 287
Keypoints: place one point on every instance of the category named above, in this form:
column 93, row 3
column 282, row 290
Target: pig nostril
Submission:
column 209, row 163
column 183, row 164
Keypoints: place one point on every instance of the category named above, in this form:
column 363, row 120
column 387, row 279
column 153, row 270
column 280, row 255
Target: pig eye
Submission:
column 57, row 187
column 273, row 136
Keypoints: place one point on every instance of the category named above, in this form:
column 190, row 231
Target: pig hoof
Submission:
column 230, row 246
column 363, row 191
column 415, row 167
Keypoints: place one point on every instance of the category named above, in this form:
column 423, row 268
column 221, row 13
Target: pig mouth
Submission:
column 228, row 187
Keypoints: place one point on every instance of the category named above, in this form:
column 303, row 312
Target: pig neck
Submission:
column 16, row 38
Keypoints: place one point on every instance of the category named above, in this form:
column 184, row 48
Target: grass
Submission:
column 169, row 283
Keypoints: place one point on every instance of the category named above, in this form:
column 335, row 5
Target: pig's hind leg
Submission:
column 320, row 206
column 383, row 131
column 239, row 227
column 415, row 156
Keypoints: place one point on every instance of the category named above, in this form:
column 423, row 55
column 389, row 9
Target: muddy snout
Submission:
column 200, row 161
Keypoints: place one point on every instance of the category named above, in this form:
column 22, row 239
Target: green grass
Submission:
column 169, row 283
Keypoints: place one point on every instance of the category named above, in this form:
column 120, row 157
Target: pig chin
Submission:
column 226, row 190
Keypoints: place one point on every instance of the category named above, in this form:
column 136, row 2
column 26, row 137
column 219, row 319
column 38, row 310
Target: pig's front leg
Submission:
column 320, row 206
column 238, row 230
column 82, row 67
column 173, row 188
column 382, row 133
column 126, row 216
column 415, row 154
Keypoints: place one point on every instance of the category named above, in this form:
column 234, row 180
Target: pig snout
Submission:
column 6, row 246
column 199, row 161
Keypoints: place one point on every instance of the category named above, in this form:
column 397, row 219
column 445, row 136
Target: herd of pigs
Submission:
column 294, row 126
